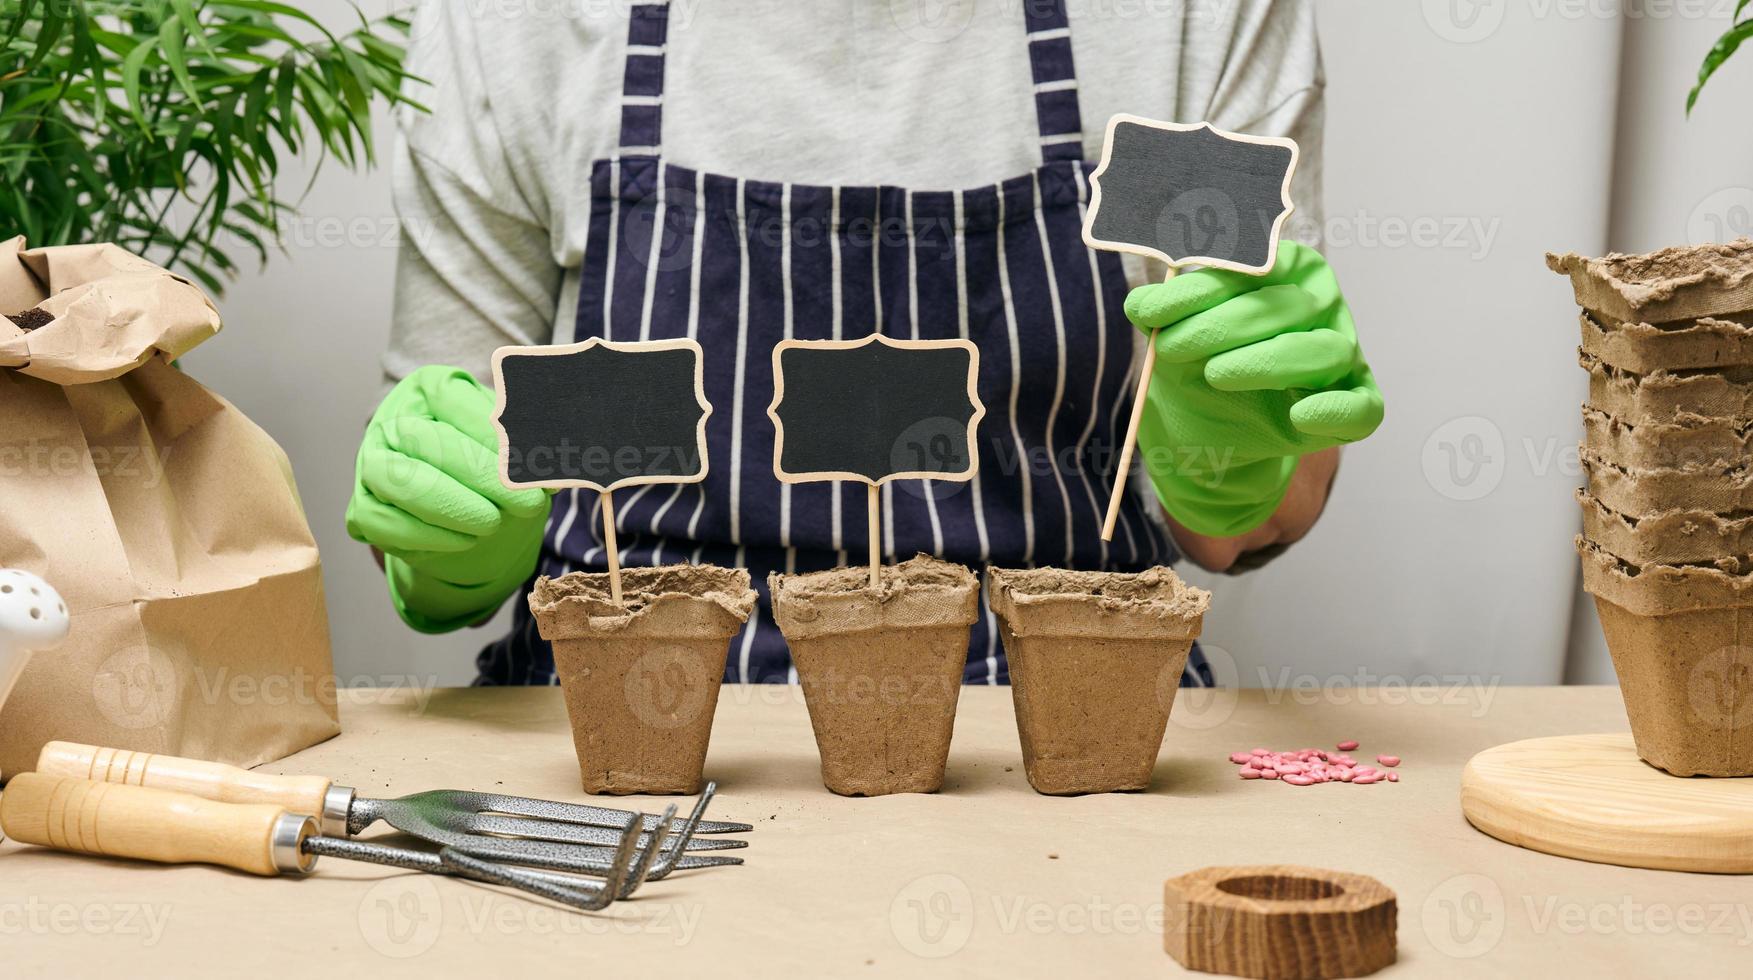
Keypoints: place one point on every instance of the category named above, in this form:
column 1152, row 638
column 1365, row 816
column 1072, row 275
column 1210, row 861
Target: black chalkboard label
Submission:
column 875, row 410
column 1190, row 194
column 601, row 414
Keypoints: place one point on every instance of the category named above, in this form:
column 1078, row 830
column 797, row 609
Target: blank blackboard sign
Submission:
column 1190, row 194
column 601, row 414
column 875, row 410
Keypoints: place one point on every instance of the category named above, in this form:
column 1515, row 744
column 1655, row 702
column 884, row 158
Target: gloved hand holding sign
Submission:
column 1252, row 372
column 457, row 542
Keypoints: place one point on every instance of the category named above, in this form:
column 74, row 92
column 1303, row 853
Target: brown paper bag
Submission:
column 167, row 520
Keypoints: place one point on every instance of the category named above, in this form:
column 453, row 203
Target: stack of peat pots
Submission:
column 1667, row 542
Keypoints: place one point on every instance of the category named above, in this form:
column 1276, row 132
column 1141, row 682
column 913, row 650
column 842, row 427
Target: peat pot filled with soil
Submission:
column 1095, row 660
column 881, row 668
column 641, row 676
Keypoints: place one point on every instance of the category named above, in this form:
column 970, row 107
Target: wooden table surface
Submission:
column 986, row 878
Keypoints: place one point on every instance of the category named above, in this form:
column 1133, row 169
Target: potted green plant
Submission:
column 161, row 125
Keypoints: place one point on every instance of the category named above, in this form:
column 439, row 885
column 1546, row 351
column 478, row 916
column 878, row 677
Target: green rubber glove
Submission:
column 1251, row 373
column 456, row 541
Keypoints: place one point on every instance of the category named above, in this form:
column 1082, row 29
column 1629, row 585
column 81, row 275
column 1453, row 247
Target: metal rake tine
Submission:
column 615, row 877
column 562, row 878
column 642, row 870
column 680, row 844
column 449, row 861
column 562, row 832
column 622, row 882
column 589, row 859
column 581, row 895
column 592, row 816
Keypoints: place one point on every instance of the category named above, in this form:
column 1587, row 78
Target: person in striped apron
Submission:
column 514, row 236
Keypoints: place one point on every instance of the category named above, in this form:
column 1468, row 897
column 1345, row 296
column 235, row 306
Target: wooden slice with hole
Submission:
column 1591, row 797
column 1279, row 921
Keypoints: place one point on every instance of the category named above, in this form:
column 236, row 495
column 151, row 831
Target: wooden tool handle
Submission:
column 209, row 780
column 153, row 825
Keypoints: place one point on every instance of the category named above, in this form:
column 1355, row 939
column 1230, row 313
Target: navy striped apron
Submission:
column 740, row 264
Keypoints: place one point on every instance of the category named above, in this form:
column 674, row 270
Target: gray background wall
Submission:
column 1464, row 140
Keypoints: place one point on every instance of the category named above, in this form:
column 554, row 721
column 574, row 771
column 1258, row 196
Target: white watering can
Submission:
column 33, row 617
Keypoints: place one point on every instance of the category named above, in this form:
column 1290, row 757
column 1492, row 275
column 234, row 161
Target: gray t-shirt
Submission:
column 492, row 185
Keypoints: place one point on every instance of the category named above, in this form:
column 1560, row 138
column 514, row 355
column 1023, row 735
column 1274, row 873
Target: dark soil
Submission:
column 31, row 319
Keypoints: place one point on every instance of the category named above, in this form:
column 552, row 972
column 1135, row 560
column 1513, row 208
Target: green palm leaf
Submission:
column 162, row 124
column 1724, row 48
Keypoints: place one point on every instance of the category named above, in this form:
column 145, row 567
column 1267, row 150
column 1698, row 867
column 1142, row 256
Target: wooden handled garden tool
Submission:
column 512, row 829
column 112, row 820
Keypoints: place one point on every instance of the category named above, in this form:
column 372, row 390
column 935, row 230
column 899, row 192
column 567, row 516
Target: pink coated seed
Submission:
column 1388, row 760
column 1393, row 777
column 1348, row 745
column 1308, row 766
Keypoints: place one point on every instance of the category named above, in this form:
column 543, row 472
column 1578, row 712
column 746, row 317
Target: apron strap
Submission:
column 648, row 30
column 1055, row 80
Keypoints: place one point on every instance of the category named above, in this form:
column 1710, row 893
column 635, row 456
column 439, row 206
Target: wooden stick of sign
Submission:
column 601, row 415
column 873, row 411
column 874, row 510
column 1140, row 397
column 611, row 547
column 1185, row 195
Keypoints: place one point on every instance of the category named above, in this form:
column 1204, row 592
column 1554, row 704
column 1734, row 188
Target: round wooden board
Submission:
column 1591, row 797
